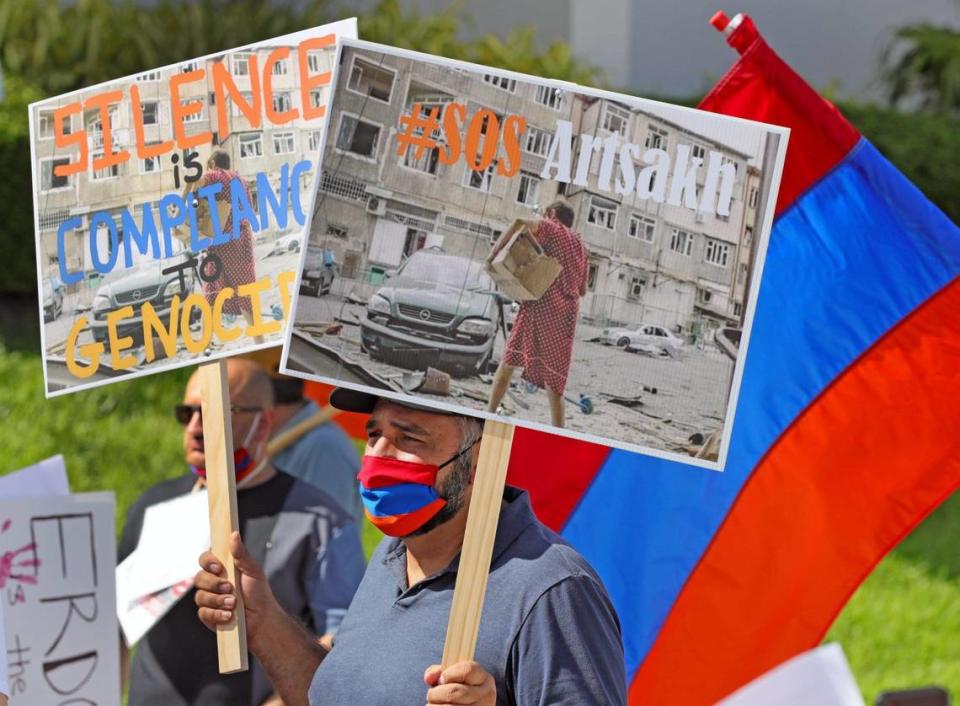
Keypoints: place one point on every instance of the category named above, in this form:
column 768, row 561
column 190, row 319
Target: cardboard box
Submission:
column 521, row 269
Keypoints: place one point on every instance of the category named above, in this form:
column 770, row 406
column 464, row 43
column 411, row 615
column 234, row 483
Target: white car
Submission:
column 285, row 244
column 649, row 337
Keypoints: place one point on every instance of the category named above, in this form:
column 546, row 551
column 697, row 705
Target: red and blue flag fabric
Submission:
column 846, row 429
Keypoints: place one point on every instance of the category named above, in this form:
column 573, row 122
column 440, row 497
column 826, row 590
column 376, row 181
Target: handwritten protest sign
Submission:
column 570, row 259
column 169, row 208
column 56, row 579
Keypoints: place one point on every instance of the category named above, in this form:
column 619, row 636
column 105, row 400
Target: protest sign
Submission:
column 161, row 568
column 49, row 477
column 429, row 170
column 169, row 211
column 56, row 579
column 169, row 208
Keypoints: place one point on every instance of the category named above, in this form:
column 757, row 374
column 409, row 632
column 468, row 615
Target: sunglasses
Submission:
column 184, row 412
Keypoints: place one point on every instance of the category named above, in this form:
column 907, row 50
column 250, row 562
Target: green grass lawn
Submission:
column 900, row 630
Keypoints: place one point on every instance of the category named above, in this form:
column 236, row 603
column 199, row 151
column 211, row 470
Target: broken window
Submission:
column 371, row 80
column 358, row 136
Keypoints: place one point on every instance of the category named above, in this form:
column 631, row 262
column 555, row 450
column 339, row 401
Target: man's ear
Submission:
column 474, row 457
column 267, row 419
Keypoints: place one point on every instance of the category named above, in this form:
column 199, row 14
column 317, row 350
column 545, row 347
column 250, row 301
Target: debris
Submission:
column 705, row 447
column 518, row 399
column 631, row 402
column 584, row 403
column 470, row 394
column 320, row 328
column 431, row 382
column 728, row 340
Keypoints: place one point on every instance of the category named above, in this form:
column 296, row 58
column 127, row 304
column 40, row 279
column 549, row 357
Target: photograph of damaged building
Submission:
column 667, row 288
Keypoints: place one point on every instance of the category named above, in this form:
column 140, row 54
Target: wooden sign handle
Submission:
column 478, row 539
column 222, row 497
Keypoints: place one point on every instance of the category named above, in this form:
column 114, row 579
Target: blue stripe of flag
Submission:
column 395, row 500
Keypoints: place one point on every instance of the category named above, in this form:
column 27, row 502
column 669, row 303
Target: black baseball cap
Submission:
column 349, row 400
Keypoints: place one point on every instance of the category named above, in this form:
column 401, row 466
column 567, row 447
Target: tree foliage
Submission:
column 60, row 46
column 16, row 231
column 922, row 64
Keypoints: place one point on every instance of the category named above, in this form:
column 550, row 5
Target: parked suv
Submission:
column 437, row 310
column 136, row 285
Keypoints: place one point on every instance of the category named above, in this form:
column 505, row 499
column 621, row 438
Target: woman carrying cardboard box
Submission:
column 541, row 341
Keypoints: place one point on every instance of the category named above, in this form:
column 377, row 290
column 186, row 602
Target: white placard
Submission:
column 161, row 569
column 820, row 677
column 57, row 584
column 49, row 477
column 174, row 534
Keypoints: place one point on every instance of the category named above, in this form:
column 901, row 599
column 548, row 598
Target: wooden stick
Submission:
column 222, row 496
column 478, row 539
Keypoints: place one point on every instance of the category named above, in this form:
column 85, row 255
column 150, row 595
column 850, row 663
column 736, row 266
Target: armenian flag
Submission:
column 846, row 431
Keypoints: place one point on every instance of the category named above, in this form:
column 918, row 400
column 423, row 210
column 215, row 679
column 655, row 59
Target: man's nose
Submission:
column 384, row 448
column 195, row 425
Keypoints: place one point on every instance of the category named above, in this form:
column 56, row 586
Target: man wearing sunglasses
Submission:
column 308, row 546
column 548, row 635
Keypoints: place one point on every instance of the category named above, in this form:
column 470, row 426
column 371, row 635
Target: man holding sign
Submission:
column 309, row 547
column 553, row 638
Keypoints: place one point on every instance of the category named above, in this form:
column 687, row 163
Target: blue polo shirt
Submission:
column 548, row 633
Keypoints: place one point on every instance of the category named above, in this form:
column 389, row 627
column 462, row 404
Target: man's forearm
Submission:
column 290, row 655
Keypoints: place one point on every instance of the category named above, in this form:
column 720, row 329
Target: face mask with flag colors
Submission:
column 399, row 496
